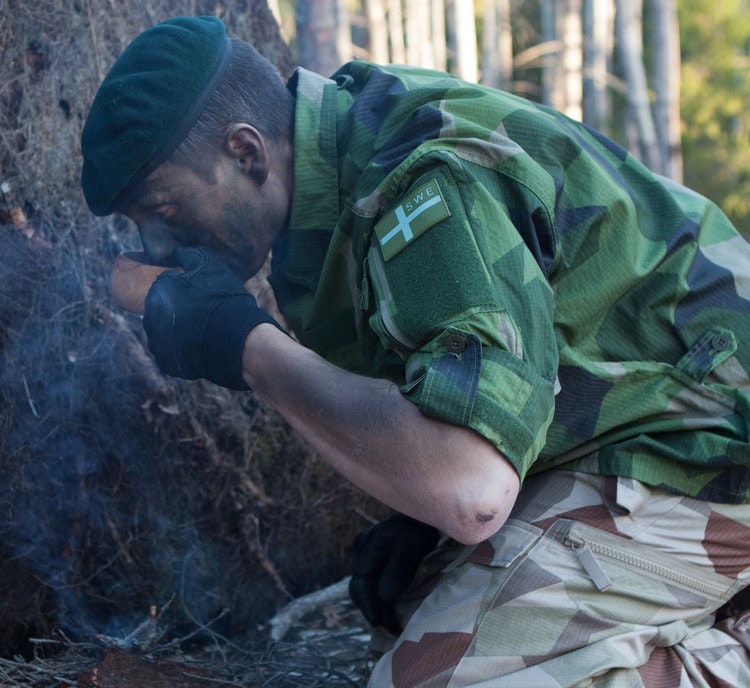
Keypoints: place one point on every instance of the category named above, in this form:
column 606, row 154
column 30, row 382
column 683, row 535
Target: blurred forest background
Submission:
column 667, row 79
column 123, row 489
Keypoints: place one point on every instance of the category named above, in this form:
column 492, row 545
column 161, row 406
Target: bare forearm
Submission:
column 448, row 476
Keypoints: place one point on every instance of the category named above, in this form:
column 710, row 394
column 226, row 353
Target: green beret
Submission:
column 148, row 102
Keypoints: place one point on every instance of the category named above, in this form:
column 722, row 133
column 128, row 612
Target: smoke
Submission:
column 95, row 502
column 123, row 489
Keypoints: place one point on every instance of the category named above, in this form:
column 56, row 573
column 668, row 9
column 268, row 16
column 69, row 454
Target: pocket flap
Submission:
column 512, row 541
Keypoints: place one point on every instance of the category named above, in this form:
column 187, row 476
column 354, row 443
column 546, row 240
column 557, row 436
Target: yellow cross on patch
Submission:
column 422, row 209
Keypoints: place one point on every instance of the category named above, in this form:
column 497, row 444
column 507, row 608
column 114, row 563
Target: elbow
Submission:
column 471, row 498
column 476, row 527
column 477, row 519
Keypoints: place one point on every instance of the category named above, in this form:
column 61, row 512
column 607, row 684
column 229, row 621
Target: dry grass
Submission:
column 123, row 489
column 327, row 650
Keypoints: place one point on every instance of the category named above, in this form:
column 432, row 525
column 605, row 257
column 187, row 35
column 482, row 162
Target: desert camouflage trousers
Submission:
column 593, row 581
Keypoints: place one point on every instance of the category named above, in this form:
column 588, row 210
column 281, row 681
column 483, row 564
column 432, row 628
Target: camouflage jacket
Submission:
column 515, row 272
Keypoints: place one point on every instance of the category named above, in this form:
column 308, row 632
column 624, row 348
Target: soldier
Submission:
column 504, row 327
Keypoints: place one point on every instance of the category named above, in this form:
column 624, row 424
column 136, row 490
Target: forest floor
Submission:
column 328, row 646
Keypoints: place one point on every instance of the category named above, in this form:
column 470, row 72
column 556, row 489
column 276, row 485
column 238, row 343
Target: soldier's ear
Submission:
column 247, row 146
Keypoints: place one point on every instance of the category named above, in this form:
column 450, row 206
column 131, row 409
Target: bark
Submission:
column 505, row 44
column 572, row 59
column 438, row 39
column 258, row 25
column 598, row 31
column 317, row 35
column 417, row 33
column 465, row 47
column 377, row 31
column 629, row 35
column 344, row 32
column 396, row 31
column 665, row 49
column 552, row 72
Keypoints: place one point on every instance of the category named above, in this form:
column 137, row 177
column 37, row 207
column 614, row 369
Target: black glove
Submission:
column 386, row 558
column 197, row 321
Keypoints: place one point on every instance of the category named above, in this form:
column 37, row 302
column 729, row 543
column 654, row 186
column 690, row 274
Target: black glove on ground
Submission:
column 386, row 558
column 197, row 321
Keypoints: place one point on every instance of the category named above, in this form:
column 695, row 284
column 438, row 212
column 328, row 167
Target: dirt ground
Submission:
column 328, row 647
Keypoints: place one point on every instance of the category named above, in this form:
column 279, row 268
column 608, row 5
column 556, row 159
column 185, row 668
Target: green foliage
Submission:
column 715, row 37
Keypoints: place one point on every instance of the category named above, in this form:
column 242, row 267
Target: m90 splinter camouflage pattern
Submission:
column 517, row 273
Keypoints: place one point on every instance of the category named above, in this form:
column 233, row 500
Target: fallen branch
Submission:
column 296, row 609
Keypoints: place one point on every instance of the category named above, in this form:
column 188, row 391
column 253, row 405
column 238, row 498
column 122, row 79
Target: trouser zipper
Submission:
column 586, row 552
column 597, row 574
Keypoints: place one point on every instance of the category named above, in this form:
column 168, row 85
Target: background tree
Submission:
column 395, row 18
column 437, row 42
column 497, row 45
column 464, row 40
column 553, row 75
column 572, row 58
column 629, row 43
column 666, row 80
column 715, row 111
column 417, row 31
column 321, row 44
column 598, row 45
column 664, row 47
column 377, row 31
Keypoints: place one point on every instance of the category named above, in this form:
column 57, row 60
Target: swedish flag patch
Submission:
column 423, row 208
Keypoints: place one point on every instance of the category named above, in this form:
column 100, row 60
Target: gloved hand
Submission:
column 386, row 558
column 197, row 321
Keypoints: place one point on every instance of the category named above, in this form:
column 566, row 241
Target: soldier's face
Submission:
column 228, row 214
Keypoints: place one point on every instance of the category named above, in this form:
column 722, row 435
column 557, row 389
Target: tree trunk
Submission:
column 344, row 47
column 124, row 512
column 253, row 22
column 317, row 35
column 497, row 45
column 598, row 31
column 665, row 50
column 629, row 35
column 505, row 44
column 377, row 31
column 465, row 47
column 396, row 31
column 552, row 72
column 438, row 38
column 417, row 33
column 490, row 65
column 572, row 35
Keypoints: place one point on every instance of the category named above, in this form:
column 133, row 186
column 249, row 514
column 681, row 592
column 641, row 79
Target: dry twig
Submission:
column 296, row 609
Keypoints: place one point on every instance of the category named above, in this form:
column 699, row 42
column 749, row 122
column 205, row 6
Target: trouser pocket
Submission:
column 552, row 607
column 580, row 594
column 620, row 566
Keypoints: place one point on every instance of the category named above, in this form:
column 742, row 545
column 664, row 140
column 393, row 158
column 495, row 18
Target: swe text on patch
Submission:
column 420, row 210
